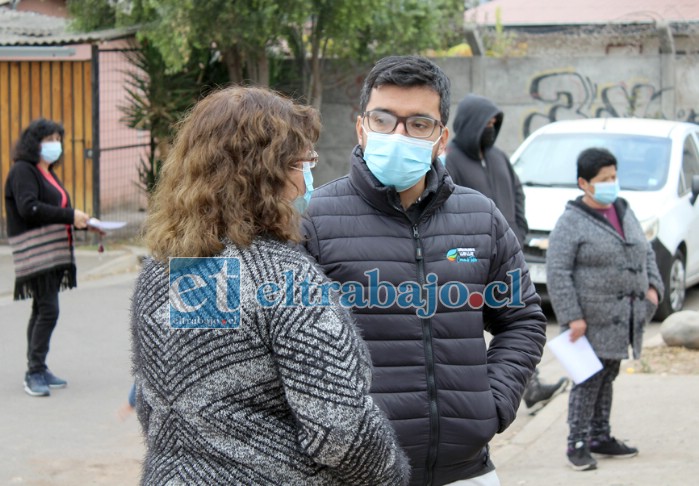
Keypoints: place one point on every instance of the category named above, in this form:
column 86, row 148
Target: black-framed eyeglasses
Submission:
column 311, row 159
column 415, row 126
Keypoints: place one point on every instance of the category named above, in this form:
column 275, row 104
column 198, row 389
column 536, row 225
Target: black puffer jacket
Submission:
column 445, row 392
column 491, row 174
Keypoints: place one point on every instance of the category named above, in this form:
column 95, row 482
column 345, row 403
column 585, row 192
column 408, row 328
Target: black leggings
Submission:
column 590, row 405
column 41, row 325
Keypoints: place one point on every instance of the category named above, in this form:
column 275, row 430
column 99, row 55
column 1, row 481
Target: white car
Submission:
column 658, row 170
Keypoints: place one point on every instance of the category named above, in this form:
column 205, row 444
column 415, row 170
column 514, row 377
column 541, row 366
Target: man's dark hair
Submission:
column 591, row 161
column 408, row 71
column 28, row 146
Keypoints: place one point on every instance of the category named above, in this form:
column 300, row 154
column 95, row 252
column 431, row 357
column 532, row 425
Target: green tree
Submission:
column 357, row 31
column 242, row 30
column 329, row 31
column 156, row 100
column 412, row 26
column 87, row 15
column 248, row 32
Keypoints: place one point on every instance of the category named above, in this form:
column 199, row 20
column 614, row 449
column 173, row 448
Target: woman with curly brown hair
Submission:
column 250, row 389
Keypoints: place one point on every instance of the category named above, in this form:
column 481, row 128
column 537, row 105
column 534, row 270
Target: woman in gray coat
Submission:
column 604, row 284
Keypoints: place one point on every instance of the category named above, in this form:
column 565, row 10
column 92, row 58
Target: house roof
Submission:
column 18, row 28
column 584, row 12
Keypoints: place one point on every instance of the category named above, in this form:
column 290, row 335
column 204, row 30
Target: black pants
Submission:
column 41, row 325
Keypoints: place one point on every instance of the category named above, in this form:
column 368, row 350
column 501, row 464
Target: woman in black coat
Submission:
column 40, row 224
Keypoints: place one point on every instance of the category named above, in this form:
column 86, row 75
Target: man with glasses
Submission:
column 399, row 217
column 474, row 161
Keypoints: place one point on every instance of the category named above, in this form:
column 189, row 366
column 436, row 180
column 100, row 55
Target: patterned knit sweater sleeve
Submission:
column 326, row 371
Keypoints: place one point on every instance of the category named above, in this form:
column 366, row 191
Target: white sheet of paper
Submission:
column 578, row 358
column 105, row 225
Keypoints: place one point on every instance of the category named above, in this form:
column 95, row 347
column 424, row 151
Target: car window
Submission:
column 690, row 165
column 551, row 159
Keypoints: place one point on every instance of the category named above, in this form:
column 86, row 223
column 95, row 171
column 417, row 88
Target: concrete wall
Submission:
column 533, row 92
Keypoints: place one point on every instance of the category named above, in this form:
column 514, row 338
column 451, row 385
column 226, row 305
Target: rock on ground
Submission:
column 681, row 329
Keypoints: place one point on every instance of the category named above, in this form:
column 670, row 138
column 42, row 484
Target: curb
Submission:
column 129, row 262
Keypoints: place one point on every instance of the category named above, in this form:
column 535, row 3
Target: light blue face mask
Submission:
column 606, row 192
column 397, row 160
column 301, row 203
column 51, row 151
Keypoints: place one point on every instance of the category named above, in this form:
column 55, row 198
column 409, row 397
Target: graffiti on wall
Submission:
column 569, row 95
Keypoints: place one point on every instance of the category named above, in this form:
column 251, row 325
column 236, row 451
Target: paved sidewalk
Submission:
column 73, row 437
column 655, row 413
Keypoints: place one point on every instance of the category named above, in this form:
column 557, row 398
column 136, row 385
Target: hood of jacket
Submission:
column 472, row 116
column 621, row 205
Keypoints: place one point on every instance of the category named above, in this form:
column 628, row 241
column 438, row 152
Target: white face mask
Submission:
column 51, row 151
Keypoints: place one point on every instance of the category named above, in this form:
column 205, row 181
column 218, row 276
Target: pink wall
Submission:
column 118, row 168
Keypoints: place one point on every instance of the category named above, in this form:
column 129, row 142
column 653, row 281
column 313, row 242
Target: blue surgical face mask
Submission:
column 51, row 151
column 397, row 160
column 301, row 203
column 606, row 192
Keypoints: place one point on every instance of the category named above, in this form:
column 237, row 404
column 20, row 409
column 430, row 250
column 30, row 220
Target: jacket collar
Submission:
column 439, row 187
column 620, row 205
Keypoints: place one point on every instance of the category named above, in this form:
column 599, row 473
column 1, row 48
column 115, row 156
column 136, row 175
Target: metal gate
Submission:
column 121, row 148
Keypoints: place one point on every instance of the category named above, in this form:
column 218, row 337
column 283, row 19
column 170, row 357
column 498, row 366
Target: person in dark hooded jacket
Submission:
column 474, row 161
column 397, row 224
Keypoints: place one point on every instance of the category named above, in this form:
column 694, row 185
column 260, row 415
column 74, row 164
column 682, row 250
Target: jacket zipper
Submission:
column 429, row 356
column 488, row 177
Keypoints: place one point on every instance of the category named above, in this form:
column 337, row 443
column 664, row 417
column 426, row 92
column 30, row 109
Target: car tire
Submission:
column 675, row 289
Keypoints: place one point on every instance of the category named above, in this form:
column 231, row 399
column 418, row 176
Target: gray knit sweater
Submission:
column 282, row 399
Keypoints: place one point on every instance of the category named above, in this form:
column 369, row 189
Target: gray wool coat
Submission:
column 594, row 274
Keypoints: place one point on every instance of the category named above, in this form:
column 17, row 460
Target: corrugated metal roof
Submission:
column 31, row 29
column 29, row 24
column 584, row 12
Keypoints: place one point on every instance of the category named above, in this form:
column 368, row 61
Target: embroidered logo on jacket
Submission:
column 462, row 255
